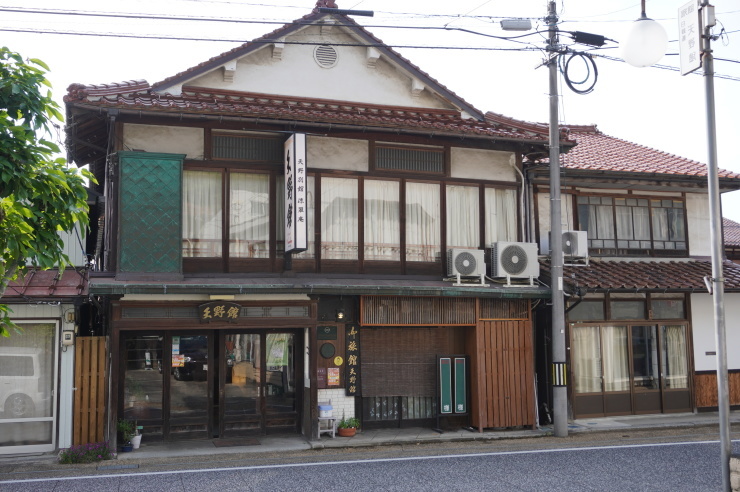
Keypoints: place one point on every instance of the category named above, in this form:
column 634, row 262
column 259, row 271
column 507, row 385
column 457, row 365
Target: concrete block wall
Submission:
column 343, row 405
column 735, row 473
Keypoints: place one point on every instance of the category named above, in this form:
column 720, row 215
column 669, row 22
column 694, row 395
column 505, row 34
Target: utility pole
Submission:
column 559, row 372
column 715, row 235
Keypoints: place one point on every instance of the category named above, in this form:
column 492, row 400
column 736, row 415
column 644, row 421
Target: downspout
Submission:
column 523, row 205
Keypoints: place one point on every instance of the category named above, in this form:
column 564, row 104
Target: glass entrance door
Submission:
column 189, row 401
column 259, row 384
column 645, row 372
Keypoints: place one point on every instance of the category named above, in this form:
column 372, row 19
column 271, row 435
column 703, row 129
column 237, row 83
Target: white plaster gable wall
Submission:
column 482, row 164
column 697, row 213
column 297, row 74
column 337, row 153
column 165, row 139
column 702, row 324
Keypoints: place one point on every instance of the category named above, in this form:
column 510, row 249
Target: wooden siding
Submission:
column 416, row 311
column 705, row 389
column 503, row 379
column 89, row 398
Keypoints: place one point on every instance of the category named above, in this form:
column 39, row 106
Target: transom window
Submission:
column 638, row 226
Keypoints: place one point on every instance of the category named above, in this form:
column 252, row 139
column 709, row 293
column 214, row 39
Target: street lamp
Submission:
column 703, row 18
column 646, row 42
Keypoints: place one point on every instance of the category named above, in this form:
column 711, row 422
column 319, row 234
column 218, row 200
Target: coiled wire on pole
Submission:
column 591, row 70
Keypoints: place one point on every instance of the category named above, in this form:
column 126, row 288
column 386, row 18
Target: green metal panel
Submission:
column 461, row 397
column 150, row 212
column 445, row 385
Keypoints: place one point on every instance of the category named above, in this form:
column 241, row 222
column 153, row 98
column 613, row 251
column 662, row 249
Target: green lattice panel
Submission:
column 150, row 212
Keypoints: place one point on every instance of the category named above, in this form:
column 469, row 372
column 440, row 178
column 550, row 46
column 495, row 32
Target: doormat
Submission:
column 224, row 443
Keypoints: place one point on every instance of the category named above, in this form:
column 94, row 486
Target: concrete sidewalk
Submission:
column 383, row 437
column 159, row 450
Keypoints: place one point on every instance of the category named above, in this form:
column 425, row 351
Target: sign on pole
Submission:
column 689, row 37
column 295, row 193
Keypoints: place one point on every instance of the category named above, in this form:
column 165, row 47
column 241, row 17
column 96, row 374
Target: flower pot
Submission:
column 136, row 441
column 127, row 448
column 347, row 431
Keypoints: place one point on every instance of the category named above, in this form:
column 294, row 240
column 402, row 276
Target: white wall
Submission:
column 482, row 164
column 165, row 139
column 702, row 322
column 343, row 405
column 337, row 153
column 297, row 74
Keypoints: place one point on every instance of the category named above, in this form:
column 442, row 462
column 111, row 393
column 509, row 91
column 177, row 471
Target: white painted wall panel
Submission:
column 702, row 322
column 165, row 139
column 697, row 213
column 337, row 153
column 482, row 164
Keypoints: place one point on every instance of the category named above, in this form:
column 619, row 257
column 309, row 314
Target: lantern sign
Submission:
column 219, row 311
column 295, row 193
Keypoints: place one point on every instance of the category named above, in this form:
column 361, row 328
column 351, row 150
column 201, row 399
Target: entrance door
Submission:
column 259, row 392
column 189, row 383
column 646, row 375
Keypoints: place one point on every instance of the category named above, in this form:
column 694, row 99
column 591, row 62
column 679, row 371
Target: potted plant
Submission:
column 127, row 430
column 347, row 427
column 136, row 439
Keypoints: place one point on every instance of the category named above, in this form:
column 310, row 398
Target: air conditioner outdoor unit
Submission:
column 514, row 260
column 575, row 244
column 466, row 263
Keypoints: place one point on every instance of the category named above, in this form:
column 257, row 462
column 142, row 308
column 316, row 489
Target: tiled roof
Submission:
column 137, row 95
column 641, row 275
column 48, row 284
column 732, row 232
column 595, row 151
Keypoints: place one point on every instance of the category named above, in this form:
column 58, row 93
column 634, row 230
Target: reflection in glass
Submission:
column 27, row 375
column 189, row 378
column 645, row 357
column 242, row 389
column 674, row 364
column 280, row 372
column 142, row 385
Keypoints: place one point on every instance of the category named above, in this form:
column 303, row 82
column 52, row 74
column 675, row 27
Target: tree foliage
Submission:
column 39, row 194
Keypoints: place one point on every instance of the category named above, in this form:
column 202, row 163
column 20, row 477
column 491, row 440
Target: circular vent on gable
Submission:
column 513, row 259
column 325, row 56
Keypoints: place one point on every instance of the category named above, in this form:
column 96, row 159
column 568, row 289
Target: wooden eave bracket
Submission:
column 229, row 71
column 277, row 49
column 416, row 87
column 372, row 56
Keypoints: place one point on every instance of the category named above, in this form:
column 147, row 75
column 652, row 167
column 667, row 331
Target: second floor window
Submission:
column 638, row 226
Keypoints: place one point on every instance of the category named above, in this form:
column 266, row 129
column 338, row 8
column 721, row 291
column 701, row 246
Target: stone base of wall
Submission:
column 735, row 473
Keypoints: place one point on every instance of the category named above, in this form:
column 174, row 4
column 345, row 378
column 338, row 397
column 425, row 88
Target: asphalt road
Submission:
column 675, row 461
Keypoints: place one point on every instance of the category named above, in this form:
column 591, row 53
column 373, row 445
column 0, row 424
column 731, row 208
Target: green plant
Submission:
column 352, row 422
column 127, row 428
column 86, row 453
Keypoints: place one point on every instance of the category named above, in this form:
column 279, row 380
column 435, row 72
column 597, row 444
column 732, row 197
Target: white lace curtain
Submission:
column 339, row 218
column 202, row 214
column 501, row 216
column 422, row 222
column 382, row 220
column 586, row 359
column 249, row 231
column 463, row 219
column 675, row 363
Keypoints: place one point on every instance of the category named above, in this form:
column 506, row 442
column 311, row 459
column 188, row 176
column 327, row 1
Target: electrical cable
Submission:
column 590, row 69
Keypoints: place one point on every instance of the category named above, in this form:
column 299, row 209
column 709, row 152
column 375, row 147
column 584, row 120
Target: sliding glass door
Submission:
column 629, row 369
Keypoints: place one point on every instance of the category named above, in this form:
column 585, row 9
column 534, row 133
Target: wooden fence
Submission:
column 90, row 380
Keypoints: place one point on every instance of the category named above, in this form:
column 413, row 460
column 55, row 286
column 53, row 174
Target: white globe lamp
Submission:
column 646, row 42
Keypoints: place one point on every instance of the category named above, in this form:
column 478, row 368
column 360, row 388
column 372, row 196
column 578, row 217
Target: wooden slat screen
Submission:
column 505, row 374
column 504, row 309
column 402, row 362
column 89, row 399
column 417, row 311
column 705, row 388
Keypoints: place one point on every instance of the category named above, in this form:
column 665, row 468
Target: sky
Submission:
column 458, row 43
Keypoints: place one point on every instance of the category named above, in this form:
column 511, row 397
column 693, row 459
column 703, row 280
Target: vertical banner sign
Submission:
column 352, row 339
column 461, row 396
column 445, row 385
column 689, row 37
column 295, row 193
